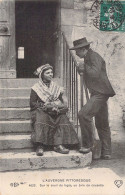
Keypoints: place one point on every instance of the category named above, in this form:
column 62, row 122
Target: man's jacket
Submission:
column 95, row 74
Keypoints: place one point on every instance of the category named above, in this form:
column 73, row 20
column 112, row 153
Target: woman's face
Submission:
column 48, row 75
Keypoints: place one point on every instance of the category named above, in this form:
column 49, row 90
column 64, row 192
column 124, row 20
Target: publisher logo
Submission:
column 118, row 183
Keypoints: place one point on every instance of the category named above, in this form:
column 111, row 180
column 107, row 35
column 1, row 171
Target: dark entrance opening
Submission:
column 36, row 24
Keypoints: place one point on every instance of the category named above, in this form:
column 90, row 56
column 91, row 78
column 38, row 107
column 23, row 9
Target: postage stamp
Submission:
column 109, row 15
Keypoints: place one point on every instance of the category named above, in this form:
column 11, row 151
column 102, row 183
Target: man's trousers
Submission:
column 95, row 107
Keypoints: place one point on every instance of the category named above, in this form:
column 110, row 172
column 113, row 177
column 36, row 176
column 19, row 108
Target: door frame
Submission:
column 7, row 36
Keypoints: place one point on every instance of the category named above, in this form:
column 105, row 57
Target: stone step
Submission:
column 19, row 150
column 29, row 161
column 14, row 92
column 16, row 126
column 14, row 102
column 17, row 83
column 14, row 113
column 123, row 117
column 19, row 126
column 15, row 142
column 21, row 83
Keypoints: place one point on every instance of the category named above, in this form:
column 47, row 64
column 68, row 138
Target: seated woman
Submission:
column 51, row 126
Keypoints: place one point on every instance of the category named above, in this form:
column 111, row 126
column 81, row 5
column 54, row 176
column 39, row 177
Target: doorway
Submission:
column 36, row 24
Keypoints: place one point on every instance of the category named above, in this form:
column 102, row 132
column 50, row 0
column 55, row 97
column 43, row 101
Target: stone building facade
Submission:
column 75, row 19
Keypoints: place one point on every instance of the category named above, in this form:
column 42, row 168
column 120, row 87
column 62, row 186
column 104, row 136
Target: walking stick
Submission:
column 96, row 150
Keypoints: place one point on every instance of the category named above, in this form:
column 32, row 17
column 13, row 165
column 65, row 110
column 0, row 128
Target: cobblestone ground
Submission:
column 117, row 163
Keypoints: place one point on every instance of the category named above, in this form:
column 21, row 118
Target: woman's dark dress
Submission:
column 50, row 129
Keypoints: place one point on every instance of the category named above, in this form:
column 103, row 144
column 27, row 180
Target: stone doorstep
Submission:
column 14, row 113
column 29, row 161
column 15, row 142
column 21, row 83
column 14, row 102
column 15, row 126
column 15, row 92
column 17, row 82
column 7, row 74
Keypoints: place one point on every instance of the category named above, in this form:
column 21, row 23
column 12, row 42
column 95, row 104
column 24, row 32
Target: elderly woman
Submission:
column 51, row 126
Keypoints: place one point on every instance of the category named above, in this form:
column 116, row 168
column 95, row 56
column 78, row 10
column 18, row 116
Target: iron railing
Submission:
column 71, row 81
column 76, row 89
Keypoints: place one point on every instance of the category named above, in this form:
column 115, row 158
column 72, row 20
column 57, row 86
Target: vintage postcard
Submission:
column 62, row 105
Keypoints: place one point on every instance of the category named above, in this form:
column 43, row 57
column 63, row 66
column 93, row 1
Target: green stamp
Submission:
column 110, row 15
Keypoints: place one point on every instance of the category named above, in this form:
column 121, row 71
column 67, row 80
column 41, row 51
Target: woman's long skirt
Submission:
column 52, row 130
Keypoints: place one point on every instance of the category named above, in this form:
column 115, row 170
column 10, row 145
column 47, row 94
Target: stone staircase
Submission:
column 16, row 150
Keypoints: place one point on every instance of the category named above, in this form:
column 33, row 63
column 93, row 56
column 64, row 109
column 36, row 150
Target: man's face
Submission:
column 81, row 52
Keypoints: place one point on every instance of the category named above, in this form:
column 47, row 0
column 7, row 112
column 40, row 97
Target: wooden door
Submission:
column 7, row 39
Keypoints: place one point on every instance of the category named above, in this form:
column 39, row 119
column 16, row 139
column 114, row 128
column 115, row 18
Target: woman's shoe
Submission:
column 61, row 149
column 84, row 150
column 39, row 151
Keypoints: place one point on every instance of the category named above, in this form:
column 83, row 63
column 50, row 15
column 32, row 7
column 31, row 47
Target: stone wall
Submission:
column 77, row 22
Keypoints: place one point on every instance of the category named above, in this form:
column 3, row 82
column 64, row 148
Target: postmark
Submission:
column 109, row 15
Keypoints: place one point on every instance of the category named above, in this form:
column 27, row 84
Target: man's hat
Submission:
column 80, row 43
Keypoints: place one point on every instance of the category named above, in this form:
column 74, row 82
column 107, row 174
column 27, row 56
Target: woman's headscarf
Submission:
column 46, row 94
column 42, row 68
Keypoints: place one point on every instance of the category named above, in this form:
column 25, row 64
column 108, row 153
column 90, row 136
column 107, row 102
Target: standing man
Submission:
column 97, row 82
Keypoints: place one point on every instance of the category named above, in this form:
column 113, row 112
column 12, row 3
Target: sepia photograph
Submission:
column 62, row 97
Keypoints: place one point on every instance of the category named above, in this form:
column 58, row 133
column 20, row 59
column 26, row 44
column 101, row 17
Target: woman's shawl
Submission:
column 47, row 94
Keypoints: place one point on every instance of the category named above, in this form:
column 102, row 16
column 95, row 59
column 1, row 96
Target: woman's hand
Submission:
column 48, row 105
